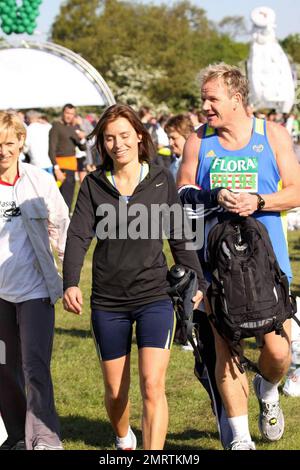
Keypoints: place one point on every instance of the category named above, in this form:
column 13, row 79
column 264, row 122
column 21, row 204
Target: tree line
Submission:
column 149, row 54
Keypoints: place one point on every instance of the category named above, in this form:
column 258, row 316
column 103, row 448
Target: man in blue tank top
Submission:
column 237, row 164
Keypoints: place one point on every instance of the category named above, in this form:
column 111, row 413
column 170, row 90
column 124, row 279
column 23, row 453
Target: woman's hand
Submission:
column 197, row 299
column 72, row 300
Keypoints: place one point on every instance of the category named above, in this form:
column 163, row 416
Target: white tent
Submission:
column 42, row 75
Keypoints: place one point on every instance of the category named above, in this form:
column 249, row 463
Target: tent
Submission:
column 42, row 75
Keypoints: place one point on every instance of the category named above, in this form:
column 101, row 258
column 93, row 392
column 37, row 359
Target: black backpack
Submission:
column 249, row 294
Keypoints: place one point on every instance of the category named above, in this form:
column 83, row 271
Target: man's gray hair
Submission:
column 233, row 79
column 32, row 115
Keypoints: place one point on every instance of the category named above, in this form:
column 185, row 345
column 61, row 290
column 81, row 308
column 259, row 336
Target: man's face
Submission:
column 69, row 115
column 218, row 106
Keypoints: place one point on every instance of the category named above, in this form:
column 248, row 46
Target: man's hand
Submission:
column 228, row 200
column 246, row 204
column 80, row 134
column 59, row 175
column 72, row 300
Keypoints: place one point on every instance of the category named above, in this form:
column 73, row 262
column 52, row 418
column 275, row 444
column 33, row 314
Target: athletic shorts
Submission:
column 81, row 163
column 155, row 326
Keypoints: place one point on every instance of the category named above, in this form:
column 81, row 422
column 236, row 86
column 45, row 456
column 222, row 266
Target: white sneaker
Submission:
column 271, row 419
column 44, row 446
column 187, row 347
column 131, row 446
column 242, row 445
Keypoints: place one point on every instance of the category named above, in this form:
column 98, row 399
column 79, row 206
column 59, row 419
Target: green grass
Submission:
column 79, row 389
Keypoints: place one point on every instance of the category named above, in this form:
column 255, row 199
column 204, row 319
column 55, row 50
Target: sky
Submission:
column 287, row 12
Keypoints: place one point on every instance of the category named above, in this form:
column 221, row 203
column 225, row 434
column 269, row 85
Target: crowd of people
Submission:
column 129, row 163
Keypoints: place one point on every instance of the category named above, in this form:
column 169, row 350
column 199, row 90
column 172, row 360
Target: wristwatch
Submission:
column 260, row 202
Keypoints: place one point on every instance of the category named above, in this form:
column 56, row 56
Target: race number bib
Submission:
column 235, row 173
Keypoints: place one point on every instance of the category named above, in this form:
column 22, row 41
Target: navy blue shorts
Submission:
column 155, row 326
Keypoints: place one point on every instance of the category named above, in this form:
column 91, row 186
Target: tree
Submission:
column 291, row 45
column 130, row 84
column 233, row 26
column 176, row 40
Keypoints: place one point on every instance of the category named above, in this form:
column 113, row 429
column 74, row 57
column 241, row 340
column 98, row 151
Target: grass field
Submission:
column 79, row 390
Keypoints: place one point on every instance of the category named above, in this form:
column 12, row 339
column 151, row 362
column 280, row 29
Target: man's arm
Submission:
column 186, row 181
column 53, row 140
column 289, row 169
column 188, row 169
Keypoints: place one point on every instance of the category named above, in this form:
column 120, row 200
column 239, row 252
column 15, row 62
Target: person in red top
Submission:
column 32, row 214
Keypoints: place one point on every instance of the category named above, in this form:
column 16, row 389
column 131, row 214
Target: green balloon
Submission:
column 22, row 14
column 12, row 13
column 28, row 8
column 5, row 8
column 26, row 21
column 32, row 15
column 8, row 21
column 20, row 29
column 7, row 29
column 29, row 30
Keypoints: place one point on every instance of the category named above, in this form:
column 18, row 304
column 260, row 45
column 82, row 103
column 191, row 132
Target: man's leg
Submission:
column 205, row 372
column 275, row 357
column 234, row 390
column 274, row 362
column 36, row 323
column 12, row 390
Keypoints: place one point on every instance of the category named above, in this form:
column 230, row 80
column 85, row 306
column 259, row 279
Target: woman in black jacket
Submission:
column 125, row 203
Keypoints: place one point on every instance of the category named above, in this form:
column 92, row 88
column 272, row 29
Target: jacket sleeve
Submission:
column 58, row 219
column 203, row 203
column 180, row 244
column 80, row 235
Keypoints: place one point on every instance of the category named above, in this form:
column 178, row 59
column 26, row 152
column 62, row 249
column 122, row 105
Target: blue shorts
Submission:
column 155, row 327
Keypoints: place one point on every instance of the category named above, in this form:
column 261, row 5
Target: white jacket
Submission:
column 46, row 219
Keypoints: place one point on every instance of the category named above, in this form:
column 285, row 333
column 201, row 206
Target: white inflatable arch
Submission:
column 43, row 75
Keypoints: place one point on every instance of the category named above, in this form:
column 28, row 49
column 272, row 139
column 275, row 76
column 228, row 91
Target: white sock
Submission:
column 268, row 391
column 125, row 441
column 240, row 428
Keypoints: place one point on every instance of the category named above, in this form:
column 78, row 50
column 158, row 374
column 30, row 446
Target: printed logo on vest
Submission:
column 210, row 154
column 258, row 148
column 234, row 173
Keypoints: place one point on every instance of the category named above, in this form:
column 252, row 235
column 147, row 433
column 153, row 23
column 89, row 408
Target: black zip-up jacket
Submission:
column 126, row 272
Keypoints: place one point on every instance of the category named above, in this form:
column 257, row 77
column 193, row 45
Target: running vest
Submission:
column 250, row 169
